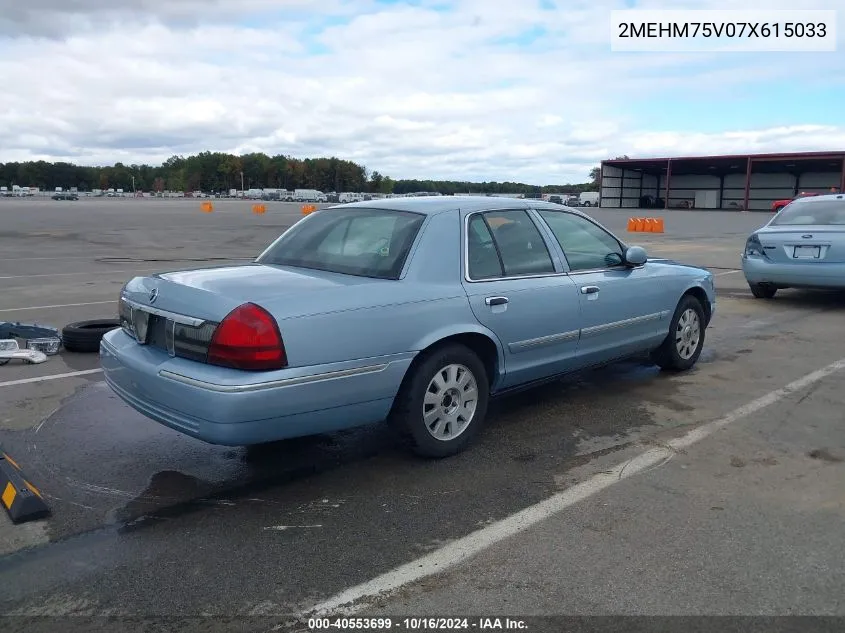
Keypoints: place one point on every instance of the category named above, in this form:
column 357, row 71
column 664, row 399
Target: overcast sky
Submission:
column 451, row 89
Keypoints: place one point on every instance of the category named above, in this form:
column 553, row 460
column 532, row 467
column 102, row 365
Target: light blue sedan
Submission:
column 803, row 246
column 415, row 311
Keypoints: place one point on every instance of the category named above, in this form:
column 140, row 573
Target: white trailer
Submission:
column 589, row 198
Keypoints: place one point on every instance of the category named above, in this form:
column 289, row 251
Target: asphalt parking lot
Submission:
column 743, row 519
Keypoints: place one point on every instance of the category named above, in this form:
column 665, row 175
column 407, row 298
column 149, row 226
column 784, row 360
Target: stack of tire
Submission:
column 85, row 336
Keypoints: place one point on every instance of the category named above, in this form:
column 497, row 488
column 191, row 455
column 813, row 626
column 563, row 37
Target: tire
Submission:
column 680, row 349
column 763, row 291
column 85, row 336
column 407, row 416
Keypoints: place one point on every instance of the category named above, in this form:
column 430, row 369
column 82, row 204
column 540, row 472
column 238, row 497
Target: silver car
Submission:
column 415, row 311
column 803, row 246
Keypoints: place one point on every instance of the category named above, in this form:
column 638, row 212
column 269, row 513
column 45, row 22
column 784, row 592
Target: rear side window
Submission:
column 506, row 244
column 812, row 212
column 484, row 262
column 361, row 242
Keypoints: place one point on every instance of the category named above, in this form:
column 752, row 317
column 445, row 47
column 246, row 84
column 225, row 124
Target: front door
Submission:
column 518, row 290
column 621, row 307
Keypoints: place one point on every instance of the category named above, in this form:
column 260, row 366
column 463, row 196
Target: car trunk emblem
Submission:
column 153, row 295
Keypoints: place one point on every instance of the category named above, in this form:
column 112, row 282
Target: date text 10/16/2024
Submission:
column 641, row 30
column 418, row 624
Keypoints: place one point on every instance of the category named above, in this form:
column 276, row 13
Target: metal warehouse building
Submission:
column 746, row 182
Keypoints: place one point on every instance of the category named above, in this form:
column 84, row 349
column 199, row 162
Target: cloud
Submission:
column 460, row 89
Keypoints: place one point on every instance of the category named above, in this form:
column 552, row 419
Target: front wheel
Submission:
column 442, row 404
column 682, row 346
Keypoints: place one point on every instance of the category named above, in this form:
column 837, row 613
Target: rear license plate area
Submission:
column 807, row 252
column 150, row 329
column 157, row 332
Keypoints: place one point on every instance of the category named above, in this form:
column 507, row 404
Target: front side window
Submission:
column 586, row 245
column 812, row 213
column 362, row 242
column 506, row 244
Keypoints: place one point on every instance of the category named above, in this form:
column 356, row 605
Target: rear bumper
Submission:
column 229, row 407
column 797, row 275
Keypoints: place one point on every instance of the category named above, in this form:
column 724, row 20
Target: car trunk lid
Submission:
column 804, row 243
column 178, row 312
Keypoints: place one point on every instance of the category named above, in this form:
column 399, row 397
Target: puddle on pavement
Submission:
column 101, row 463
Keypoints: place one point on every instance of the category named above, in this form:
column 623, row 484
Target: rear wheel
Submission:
column 442, row 404
column 763, row 291
column 682, row 346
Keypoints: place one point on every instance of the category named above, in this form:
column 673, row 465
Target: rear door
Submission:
column 518, row 289
column 624, row 310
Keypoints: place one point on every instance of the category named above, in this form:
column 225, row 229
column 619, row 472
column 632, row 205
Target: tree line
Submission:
column 219, row 172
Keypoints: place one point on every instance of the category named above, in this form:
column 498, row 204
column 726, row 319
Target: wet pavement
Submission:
column 147, row 521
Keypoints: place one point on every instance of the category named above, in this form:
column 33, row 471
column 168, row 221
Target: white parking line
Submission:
column 27, row 259
column 70, row 374
column 727, row 272
column 100, row 272
column 59, row 305
column 361, row 596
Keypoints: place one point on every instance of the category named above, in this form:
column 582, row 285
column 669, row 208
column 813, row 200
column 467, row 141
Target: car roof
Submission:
column 431, row 205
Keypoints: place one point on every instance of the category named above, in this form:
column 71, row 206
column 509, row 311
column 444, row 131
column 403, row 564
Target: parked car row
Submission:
column 586, row 199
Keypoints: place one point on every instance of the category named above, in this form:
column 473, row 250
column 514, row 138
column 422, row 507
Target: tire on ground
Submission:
column 406, row 416
column 762, row 291
column 85, row 336
column 667, row 356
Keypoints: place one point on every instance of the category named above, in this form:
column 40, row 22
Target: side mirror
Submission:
column 635, row 256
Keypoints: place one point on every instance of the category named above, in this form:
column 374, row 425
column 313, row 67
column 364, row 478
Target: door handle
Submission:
column 589, row 290
column 496, row 301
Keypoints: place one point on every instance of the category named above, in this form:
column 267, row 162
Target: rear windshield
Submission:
column 815, row 212
column 361, row 242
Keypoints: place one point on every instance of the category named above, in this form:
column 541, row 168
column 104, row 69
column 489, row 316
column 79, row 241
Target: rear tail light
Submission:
column 187, row 341
column 248, row 338
column 124, row 312
column 754, row 247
